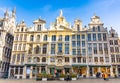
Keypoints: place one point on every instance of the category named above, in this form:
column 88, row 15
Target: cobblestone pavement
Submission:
column 78, row 81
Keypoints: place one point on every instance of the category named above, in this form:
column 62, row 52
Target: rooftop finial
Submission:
column 14, row 10
column 61, row 13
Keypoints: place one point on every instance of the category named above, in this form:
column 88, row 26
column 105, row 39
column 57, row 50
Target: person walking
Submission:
column 68, row 76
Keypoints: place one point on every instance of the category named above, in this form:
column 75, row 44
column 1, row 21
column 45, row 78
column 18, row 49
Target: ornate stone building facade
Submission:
column 7, row 27
column 62, row 48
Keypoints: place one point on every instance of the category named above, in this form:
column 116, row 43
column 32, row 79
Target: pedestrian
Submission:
column 103, row 76
column 68, row 76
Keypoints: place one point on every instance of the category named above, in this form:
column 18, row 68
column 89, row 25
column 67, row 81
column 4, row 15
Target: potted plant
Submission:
column 44, row 77
column 50, row 77
column 73, row 76
column 39, row 77
column 62, row 76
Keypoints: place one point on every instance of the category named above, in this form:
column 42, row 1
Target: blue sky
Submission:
column 29, row 10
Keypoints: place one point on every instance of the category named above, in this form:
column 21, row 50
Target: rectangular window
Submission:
column 73, row 43
column 16, row 37
column 79, row 59
column 113, row 58
column 44, row 48
column 22, row 58
column 73, row 37
column 98, row 28
column 95, row 48
column 78, row 52
column 18, row 57
column 89, row 37
column 52, row 48
column 84, row 59
column 19, row 48
column 21, row 37
column 24, row 46
column 25, row 37
column 116, row 49
column 78, row 43
column 74, row 51
column 89, row 49
column 83, row 36
column 74, row 60
column 60, row 38
column 101, row 59
column 94, row 37
column 99, row 37
column 111, row 42
column 15, row 46
column 118, row 58
column 67, row 38
column 66, row 48
column 83, row 52
column 16, row 70
column 105, row 48
column 100, row 48
column 59, row 47
column 83, row 43
column 21, row 70
column 95, row 59
column 104, row 37
column 78, row 37
column 115, row 42
column 111, row 49
column 66, row 59
column 107, row 59
column 53, row 37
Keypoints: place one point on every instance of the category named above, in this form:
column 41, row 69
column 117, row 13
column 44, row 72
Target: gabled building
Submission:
column 7, row 27
column 61, row 48
column 114, row 52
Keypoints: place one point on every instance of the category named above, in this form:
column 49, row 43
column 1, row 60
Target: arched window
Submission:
column 43, row 59
column 36, row 59
column 45, row 37
column 37, row 49
column 93, row 28
column 78, row 28
column 112, row 34
column 29, row 59
column 31, row 38
column 39, row 28
column 22, row 30
column 98, row 28
column 38, row 37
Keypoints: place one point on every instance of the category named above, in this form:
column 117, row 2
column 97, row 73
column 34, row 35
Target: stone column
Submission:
column 116, row 69
column 111, row 71
column 9, row 72
column 88, row 71
column 24, row 72
column 31, row 69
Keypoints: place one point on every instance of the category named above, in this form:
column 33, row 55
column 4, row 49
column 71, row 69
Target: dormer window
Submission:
column 98, row 28
column 22, row 30
column 78, row 28
column 39, row 28
column 112, row 34
column 93, row 29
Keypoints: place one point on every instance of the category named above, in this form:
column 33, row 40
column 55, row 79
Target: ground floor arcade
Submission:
column 30, row 71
